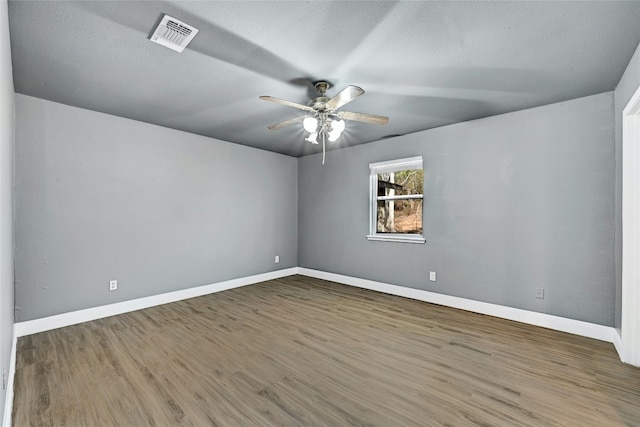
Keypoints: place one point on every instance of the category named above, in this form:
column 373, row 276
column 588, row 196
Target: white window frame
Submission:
column 385, row 167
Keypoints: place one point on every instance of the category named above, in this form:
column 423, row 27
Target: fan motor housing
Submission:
column 319, row 103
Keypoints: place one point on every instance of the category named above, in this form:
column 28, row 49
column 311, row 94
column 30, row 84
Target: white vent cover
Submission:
column 173, row 33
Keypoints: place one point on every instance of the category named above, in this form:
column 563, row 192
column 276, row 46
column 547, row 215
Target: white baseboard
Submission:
column 617, row 343
column 576, row 327
column 72, row 318
column 8, row 399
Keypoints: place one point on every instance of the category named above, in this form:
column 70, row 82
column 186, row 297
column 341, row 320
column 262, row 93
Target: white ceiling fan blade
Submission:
column 362, row 117
column 345, row 96
column 287, row 103
column 287, row 123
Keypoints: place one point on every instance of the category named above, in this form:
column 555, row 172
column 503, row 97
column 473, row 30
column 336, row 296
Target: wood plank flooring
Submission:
column 300, row 352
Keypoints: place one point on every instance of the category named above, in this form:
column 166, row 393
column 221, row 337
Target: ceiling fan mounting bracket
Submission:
column 322, row 86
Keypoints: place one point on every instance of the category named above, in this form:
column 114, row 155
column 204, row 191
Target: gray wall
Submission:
column 100, row 197
column 624, row 91
column 512, row 202
column 7, row 123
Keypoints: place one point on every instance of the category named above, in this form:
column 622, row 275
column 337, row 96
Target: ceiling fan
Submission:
column 323, row 120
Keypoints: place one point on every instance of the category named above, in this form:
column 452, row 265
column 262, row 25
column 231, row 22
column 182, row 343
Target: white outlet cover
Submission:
column 432, row 276
column 113, row 285
column 277, row 259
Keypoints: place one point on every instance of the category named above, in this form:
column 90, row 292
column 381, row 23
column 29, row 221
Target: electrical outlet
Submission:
column 540, row 293
column 4, row 378
column 113, row 285
column 277, row 259
column 432, row 276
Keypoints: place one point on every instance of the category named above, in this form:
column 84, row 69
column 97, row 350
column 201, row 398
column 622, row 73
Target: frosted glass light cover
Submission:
column 310, row 124
column 312, row 138
column 337, row 126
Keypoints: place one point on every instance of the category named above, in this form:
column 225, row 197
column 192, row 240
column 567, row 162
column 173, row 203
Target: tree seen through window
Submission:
column 398, row 208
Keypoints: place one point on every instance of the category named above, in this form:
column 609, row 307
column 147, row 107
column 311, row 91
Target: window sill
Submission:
column 400, row 238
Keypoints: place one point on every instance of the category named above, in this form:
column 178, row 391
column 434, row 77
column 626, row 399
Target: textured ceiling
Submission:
column 422, row 64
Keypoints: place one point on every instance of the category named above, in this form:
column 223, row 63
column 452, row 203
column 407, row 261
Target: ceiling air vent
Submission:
column 173, row 33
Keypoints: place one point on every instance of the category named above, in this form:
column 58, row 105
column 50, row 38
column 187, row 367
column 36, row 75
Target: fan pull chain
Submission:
column 324, row 138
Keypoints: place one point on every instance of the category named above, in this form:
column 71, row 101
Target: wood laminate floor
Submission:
column 300, row 351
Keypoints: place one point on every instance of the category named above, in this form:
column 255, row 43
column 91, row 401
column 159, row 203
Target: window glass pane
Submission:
column 400, row 183
column 399, row 216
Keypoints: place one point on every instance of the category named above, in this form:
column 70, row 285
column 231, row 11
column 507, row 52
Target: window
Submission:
column 396, row 192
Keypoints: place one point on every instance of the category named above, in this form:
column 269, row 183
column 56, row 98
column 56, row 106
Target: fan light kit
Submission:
column 322, row 120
